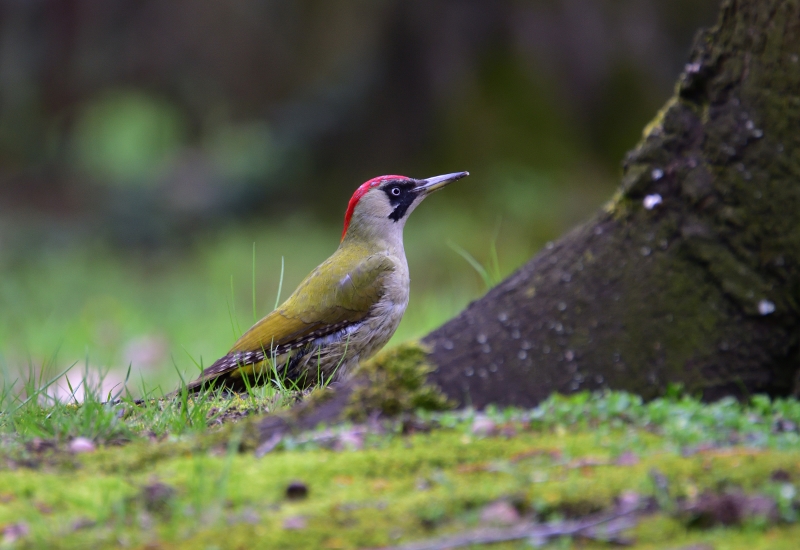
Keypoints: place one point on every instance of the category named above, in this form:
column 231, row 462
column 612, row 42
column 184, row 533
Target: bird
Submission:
column 346, row 309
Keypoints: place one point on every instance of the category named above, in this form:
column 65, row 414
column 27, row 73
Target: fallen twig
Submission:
column 329, row 437
column 540, row 532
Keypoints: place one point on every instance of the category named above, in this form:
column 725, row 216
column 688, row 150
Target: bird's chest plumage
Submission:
column 387, row 313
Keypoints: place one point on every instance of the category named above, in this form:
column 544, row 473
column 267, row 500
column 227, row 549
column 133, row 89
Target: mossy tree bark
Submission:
column 691, row 274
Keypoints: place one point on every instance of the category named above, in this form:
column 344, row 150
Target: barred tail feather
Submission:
column 229, row 371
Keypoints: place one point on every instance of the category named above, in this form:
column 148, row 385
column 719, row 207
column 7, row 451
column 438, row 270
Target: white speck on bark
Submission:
column 765, row 307
column 651, row 201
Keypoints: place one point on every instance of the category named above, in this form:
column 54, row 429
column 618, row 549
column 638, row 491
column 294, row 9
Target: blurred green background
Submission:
column 147, row 148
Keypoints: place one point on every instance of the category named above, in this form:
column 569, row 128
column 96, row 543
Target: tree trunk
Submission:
column 690, row 274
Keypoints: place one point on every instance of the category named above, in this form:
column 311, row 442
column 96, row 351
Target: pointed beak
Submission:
column 435, row 183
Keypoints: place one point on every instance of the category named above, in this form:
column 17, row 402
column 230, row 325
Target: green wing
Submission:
column 333, row 296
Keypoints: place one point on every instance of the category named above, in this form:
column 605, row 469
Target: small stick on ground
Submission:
column 541, row 532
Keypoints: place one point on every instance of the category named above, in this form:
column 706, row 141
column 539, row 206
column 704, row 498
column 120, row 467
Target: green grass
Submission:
column 115, row 417
column 569, row 456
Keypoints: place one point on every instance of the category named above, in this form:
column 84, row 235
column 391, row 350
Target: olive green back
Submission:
column 339, row 292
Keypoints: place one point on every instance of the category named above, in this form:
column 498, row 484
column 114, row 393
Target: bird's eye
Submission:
column 395, row 191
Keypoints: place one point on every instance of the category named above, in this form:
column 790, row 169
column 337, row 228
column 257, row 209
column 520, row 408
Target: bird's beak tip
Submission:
column 435, row 183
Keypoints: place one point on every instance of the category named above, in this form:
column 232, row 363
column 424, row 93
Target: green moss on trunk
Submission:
column 395, row 382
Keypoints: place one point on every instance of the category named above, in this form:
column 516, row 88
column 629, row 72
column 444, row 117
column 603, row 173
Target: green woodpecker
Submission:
column 347, row 308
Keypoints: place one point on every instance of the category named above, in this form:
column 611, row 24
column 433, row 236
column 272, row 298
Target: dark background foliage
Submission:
column 141, row 119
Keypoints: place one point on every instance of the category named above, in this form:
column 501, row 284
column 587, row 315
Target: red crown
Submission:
column 360, row 192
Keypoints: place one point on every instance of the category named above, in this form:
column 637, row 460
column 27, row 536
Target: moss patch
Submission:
column 569, row 457
column 395, row 382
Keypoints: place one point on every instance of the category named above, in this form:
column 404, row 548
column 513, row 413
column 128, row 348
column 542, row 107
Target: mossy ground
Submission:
column 380, row 486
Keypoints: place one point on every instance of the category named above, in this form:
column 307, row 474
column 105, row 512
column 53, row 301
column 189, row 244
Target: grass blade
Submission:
column 255, row 317
column 280, row 287
column 476, row 265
